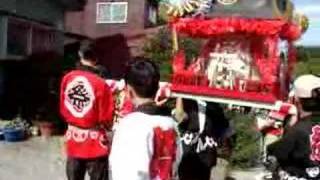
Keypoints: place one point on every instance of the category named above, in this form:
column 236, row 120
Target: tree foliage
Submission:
column 159, row 48
column 308, row 60
column 303, row 55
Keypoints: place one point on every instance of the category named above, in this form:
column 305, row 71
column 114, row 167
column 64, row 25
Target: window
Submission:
column 152, row 12
column 43, row 39
column 27, row 37
column 18, row 38
column 112, row 12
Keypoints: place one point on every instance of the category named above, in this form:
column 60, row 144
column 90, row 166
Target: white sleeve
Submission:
column 131, row 151
column 179, row 153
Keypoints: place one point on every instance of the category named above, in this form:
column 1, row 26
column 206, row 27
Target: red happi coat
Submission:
column 87, row 105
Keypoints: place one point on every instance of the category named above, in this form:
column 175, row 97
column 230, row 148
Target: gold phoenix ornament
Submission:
column 179, row 8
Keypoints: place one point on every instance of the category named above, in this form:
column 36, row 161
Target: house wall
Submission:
column 26, row 85
column 84, row 22
column 46, row 11
column 116, row 43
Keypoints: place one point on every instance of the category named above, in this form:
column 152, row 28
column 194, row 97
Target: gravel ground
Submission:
column 42, row 159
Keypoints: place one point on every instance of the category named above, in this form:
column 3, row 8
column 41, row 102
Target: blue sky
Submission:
column 311, row 8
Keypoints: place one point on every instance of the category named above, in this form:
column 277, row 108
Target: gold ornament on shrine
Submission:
column 304, row 23
column 180, row 8
column 302, row 20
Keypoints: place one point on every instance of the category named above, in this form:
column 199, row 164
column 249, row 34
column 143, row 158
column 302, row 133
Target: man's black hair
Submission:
column 214, row 113
column 87, row 51
column 312, row 104
column 143, row 76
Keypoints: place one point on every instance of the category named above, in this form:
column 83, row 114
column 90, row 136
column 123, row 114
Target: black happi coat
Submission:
column 293, row 151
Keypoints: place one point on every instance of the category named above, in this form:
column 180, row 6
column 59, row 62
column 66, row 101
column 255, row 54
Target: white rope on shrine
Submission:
column 119, row 85
column 260, row 105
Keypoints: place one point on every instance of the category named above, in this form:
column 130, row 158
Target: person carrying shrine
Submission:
column 298, row 151
column 203, row 127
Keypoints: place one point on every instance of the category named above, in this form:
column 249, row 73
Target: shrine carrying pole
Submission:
column 175, row 44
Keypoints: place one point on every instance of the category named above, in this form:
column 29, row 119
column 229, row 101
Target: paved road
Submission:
column 40, row 159
column 35, row 159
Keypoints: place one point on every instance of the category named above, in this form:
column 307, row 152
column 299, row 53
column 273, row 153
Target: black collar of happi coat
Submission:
column 152, row 109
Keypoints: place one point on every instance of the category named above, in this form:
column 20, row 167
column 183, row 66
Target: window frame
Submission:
column 111, row 21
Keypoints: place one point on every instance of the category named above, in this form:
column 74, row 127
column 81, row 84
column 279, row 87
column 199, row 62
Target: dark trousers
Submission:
column 192, row 168
column 97, row 168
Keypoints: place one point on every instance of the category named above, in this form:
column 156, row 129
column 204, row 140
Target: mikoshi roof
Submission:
column 206, row 28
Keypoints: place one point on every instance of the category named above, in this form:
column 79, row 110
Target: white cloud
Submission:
column 309, row 9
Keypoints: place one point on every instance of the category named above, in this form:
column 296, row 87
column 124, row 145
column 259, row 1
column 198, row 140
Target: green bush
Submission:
column 246, row 148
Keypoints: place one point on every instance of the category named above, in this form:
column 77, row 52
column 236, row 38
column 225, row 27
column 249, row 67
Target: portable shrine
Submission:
column 248, row 54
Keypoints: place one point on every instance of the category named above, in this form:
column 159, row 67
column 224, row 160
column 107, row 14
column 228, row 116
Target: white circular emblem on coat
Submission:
column 79, row 96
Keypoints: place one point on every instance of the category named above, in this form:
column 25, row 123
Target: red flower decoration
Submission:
column 219, row 26
column 315, row 143
column 179, row 61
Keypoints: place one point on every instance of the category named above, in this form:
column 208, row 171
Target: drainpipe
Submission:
column 3, row 36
